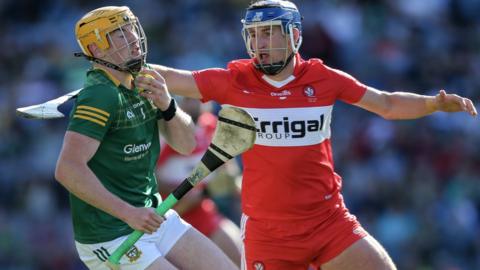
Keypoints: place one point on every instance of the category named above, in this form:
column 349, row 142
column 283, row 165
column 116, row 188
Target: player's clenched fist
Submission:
column 143, row 219
column 152, row 86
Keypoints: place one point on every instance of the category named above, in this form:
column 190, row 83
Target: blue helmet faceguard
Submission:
column 271, row 13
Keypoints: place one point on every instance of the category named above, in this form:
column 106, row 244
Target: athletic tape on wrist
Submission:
column 169, row 113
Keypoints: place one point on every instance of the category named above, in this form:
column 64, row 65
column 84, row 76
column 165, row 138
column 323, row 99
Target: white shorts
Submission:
column 145, row 251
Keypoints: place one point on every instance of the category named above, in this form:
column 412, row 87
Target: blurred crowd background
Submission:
column 414, row 185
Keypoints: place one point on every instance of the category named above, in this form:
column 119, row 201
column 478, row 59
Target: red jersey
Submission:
column 289, row 173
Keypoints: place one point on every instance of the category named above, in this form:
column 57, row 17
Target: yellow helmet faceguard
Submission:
column 96, row 27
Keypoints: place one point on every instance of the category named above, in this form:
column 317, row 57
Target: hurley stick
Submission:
column 235, row 133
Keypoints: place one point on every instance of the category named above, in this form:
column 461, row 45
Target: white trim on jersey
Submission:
column 292, row 126
column 278, row 84
column 243, row 227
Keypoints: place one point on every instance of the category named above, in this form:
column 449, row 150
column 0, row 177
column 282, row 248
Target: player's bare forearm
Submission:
column 179, row 82
column 179, row 132
column 404, row 105
column 73, row 173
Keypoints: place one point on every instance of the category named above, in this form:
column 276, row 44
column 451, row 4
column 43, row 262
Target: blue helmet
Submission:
column 271, row 13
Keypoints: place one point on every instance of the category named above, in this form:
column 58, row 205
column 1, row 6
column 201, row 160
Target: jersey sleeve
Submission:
column 94, row 111
column 212, row 83
column 350, row 90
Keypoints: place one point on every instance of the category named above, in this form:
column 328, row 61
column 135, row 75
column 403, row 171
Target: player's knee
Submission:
column 383, row 261
column 365, row 254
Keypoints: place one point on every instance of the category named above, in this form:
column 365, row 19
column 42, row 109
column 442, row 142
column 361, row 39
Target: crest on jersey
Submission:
column 257, row 265
column 309, row 91
column 130, row 115
column 133, row 254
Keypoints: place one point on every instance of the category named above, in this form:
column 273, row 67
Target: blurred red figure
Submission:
column 195, row 207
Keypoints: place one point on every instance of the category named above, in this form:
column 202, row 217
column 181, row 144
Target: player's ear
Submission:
column 296, row 35
column 95, row 50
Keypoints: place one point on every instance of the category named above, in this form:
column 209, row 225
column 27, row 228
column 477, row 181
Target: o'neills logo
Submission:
column 133, row 148
column 281, row 94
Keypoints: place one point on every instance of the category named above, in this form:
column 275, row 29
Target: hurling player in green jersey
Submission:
column 110, row 150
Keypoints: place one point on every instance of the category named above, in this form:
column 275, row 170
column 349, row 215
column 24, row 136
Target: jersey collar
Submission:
column 112, row 78
column 278, row 84
column 297, row 70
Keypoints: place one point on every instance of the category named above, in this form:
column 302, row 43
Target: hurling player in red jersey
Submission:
column 293, row 211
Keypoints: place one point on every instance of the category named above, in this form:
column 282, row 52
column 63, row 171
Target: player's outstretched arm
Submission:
column 179, row 82
column 404, row 105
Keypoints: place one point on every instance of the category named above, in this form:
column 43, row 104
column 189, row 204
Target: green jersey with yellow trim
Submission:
column 126, row 126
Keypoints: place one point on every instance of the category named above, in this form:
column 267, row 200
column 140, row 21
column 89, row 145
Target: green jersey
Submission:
column 126, row 126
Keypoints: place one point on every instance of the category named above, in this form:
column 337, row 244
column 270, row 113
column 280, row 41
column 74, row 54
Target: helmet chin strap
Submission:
column 274, row 68
column 133, row 66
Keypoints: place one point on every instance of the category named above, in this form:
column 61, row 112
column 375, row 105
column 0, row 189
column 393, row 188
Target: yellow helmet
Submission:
column 95, row 26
